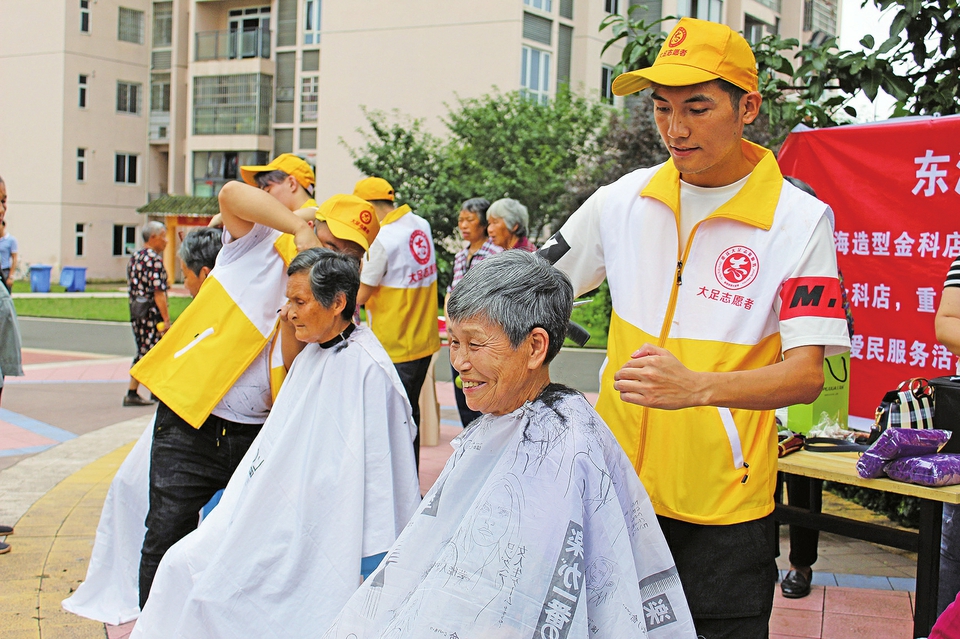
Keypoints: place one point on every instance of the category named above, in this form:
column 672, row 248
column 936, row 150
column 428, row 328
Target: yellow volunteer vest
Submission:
column 403, row 311
column 221, row 332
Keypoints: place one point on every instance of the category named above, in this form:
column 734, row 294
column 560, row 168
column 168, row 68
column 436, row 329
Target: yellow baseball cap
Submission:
column 350, row 218
column 696, row 51
column 373, row 188
column 289, row 164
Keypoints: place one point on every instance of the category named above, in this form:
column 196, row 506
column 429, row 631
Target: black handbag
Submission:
column 946, row 414
column 140, row 307
column 909, row 406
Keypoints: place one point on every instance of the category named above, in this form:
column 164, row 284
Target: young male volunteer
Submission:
column 725, row 296
column 218, row 368
column 398, row 287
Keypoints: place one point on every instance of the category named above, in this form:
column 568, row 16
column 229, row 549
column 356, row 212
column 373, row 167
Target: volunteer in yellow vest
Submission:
column 398, row 287
column 218, row 371
column 725, row 296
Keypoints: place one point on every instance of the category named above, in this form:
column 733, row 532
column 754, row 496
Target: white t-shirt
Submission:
column 698, row 202
column 249, row 400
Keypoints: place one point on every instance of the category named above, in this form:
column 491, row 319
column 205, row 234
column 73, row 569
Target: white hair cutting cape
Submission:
column 330, row 479
column 110, row 593
column 538, row 527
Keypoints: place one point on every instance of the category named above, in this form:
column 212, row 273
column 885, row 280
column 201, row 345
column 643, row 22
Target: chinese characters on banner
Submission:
column 895, row 190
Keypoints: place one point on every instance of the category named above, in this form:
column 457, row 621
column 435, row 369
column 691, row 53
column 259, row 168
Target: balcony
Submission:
column 159, row 126
column 233, row 45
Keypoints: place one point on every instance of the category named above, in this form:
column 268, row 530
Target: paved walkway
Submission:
column 63, row 434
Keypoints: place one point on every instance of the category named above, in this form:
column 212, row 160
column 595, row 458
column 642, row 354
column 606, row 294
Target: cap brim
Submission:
column 668, row 75
column 249, row 173
column 346, row 232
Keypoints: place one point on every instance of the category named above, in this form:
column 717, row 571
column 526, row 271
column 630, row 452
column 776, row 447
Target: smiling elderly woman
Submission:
column 538, row 525
column 330, row 480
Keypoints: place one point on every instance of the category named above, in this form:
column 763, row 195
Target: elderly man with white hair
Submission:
column 147, row 285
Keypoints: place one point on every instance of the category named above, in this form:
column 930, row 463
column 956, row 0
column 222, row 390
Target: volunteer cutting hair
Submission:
column 537, row 525
column 329, row 481
column 723, row 280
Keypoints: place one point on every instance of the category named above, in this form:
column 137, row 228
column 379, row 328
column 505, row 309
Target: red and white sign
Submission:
column 895, row 190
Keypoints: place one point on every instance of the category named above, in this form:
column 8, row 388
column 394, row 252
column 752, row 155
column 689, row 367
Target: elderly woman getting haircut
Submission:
column 329, row 481
column 538, row 525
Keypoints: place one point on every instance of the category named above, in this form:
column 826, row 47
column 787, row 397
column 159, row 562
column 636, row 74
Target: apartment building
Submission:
column 111, row 106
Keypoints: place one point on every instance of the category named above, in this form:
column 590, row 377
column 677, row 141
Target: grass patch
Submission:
column 114, row 309
column 23, row 286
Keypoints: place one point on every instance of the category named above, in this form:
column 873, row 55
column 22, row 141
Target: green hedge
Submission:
column 902, row 510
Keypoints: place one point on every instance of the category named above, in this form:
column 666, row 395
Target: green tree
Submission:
column 498, row 145
column 506, row 145
column 814, row 83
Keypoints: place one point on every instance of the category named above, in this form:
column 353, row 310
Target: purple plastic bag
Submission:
column 895, row 443
column 940, row 469
column 869, row 466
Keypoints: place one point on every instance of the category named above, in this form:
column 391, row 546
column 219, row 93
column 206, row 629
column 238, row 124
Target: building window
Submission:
column 126, row 168
column 543, row 5
column 308, row 139
column 81, row 165
column 703, row 9
column 282, row 141
column 84, row 16
column 754, row 30
column 124, row 240
column 213, row 169
column 160, row 93
column 311, row 21
column 535, row 75
column 606, row 84
column 232, row 104
column 309, row 96
column 128, row 97
column 611, row 6
column 537, row 28
column 80, row 235
column 130, row 26
column 162, row 24
column 820, row 15
column 82, row 91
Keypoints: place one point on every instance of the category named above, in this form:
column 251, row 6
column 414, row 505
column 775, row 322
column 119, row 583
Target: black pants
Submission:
column 803, row 541
column 412, row 375
column 187, row 466
column 728, row 573
column 5, row 273
column 467, row 414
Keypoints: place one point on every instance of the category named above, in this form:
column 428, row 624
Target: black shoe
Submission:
column 6, row 530
column 136, row 400
column 4, row 548
column 796, row 584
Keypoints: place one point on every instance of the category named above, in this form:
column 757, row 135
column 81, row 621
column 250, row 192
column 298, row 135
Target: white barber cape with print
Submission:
column 111, row 591
column 538, row 527
column 330, row 479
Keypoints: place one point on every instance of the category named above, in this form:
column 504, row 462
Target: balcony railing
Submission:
column 233, row 45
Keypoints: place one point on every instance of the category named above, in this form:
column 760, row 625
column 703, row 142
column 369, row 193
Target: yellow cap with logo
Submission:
column 288, row 163
column 696, row 51
column 350, row 218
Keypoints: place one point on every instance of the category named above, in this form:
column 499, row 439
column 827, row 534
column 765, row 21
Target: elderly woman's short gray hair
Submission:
column 200, row 248
column 150, row 229
column 518, row 291
column 513, row 214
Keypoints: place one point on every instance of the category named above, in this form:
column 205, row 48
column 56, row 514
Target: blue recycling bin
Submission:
column 74, row 278
column 40, row 278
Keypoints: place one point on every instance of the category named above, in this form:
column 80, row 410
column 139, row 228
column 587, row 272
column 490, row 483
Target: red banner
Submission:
column 895, row 189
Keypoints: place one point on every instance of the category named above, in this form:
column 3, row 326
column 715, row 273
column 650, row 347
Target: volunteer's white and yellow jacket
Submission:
column 756, row 277
column 223, row 330
column 403, row 311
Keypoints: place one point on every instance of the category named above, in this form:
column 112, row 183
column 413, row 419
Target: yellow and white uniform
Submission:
column 222, row 355
column 403, row 311
column 756, row 277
